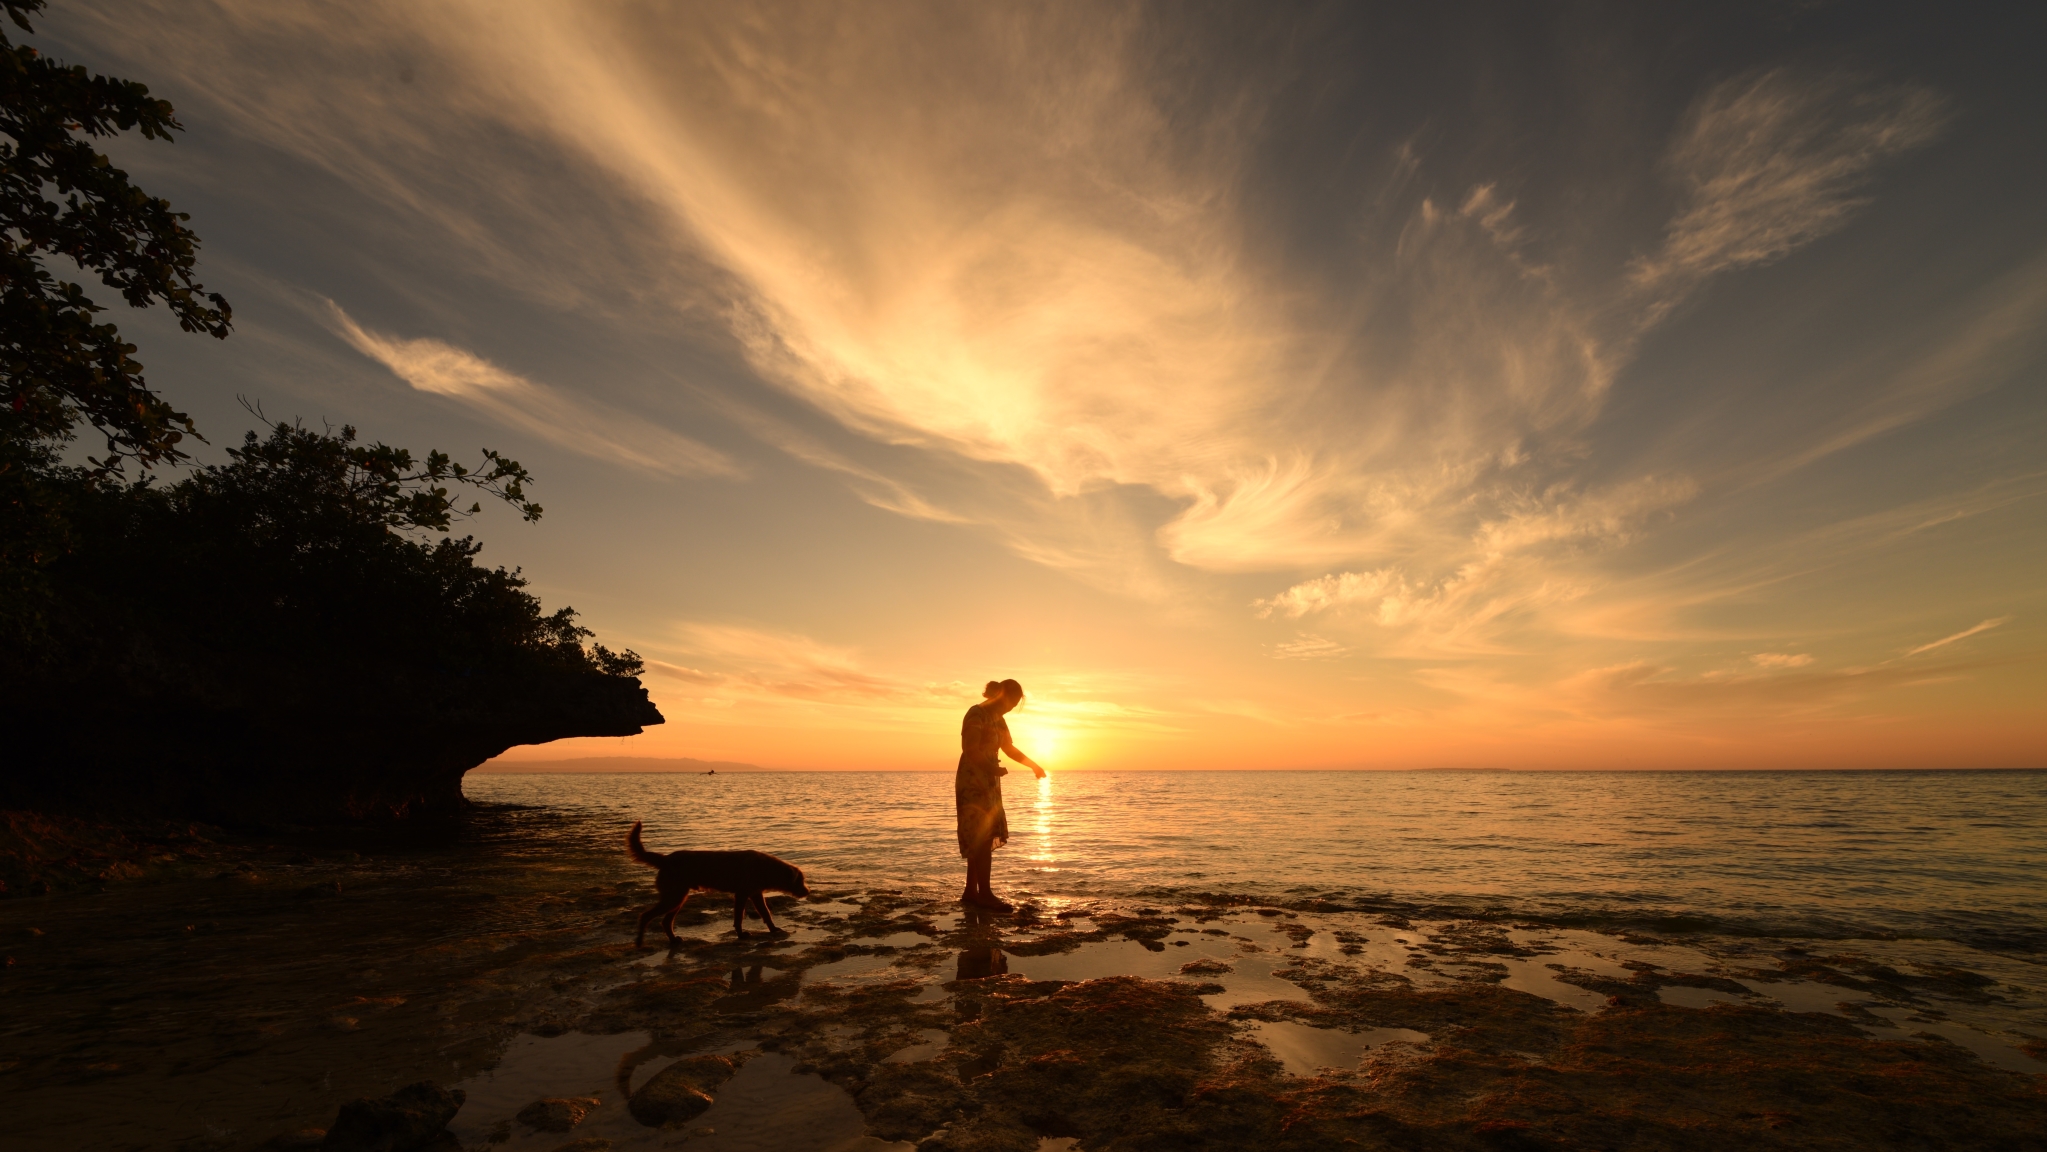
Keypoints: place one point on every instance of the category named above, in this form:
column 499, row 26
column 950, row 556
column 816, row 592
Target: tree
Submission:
column 60, row 196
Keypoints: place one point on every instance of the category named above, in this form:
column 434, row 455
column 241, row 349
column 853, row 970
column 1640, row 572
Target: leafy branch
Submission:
column 60, row 196
column 372, row 483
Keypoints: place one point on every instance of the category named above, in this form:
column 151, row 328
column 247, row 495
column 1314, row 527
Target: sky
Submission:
column 1262, row 385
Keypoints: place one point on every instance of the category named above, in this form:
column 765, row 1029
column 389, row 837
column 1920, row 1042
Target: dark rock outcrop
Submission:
column 292, row 637
column 253, row 755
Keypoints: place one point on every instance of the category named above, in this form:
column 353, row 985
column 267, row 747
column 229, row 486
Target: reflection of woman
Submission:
column 977, row 789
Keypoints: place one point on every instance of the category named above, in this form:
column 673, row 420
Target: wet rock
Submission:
column 586, row 1144
column 411, row 1119
column 1105, row 1060
column 646, row 1004
column 680, row 1092
column 303, row 1140
column 909, row 1101
column 1472, row 937
column 558, row 1113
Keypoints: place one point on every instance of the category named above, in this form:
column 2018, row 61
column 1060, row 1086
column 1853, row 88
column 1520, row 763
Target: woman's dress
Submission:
column 977, row 788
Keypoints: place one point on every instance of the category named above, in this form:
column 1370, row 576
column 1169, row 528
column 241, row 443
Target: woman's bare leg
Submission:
column 978, row 865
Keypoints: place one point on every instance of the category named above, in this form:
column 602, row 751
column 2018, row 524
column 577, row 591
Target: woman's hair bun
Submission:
column 993, row 690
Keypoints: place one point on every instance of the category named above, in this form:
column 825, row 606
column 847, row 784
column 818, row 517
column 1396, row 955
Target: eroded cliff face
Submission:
column 293, row 749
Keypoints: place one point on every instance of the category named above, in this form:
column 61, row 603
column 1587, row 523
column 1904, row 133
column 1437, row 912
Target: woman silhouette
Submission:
column 977, row 789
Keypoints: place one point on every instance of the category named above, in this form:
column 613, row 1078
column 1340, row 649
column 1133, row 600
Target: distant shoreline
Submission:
column 658, row 766
column 614, row 765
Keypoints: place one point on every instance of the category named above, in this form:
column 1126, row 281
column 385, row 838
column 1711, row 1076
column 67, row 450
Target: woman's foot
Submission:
column 991, row 902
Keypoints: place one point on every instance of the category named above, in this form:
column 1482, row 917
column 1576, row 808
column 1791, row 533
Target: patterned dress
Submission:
column 977, row 788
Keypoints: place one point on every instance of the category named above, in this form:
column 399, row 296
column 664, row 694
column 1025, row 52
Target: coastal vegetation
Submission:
column 292, row 634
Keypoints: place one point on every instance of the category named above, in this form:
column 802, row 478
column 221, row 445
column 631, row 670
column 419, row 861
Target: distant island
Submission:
column 615, row 764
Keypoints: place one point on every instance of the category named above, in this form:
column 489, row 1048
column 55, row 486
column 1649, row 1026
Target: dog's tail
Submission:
column 638, row 851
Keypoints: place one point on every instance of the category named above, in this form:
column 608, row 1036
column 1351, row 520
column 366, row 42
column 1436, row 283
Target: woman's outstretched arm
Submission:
column 1020, row 758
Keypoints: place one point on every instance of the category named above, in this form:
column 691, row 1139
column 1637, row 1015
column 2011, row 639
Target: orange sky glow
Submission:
column 1258, row 396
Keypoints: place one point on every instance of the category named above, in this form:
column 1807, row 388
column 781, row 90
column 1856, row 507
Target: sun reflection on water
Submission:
column 1043, row 859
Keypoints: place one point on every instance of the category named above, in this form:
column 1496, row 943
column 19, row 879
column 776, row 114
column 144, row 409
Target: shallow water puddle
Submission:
column 768, row 1107
column 1249, row 980
column 1537, row 978
column 535, row 1068
column 765, row 1107
column 851, row 967
column 1252, row 983
column 896, row 940
column 1094, row 960
column 1987, row 1048
column 1569, row 949
column 1697, row 997
column 1306, row 1050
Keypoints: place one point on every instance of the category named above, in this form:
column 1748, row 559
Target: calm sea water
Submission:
column 1958, row 855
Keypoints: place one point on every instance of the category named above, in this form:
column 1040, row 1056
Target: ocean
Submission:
column 1954, row 855
column 1286, row 960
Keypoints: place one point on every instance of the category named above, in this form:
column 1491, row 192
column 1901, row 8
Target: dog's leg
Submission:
column 668, row 924
column 662, row 904
column 760, row 905
column 739, row 914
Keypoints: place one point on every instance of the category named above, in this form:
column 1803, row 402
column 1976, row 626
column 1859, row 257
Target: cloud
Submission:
column 1781, row 659
column 1501, row 573
column 582, row 426
column 790, row 664
column 1771, row 161
column 1306, row 647
column 1964, row 634
column 1640, row 687
column 686, row 675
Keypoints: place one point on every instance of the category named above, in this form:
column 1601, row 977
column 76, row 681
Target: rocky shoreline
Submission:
column 245, row 1009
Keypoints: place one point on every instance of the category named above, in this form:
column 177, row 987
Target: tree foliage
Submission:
column 61, row 196
column 181, row 643
column 307, row 556
column 296, row 469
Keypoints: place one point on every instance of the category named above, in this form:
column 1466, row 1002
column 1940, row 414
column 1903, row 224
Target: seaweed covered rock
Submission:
column 1107, row 1060
column 680, row 1092
column 303, row 648
column 557, row 1113
column 409, row 1120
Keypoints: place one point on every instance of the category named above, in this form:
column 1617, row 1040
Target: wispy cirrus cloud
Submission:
column 580, row 425
column 1307, row 647
column 1771, row 161
column 1964, row 634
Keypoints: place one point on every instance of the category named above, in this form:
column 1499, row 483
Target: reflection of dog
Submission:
column 744, row 874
